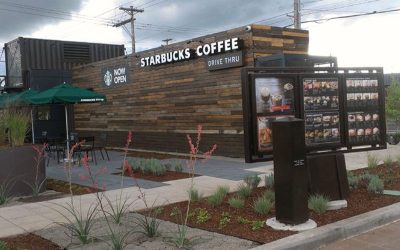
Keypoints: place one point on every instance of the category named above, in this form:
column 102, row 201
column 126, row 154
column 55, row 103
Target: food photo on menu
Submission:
column 322, row 128
column 363, row 127
column 274, row 95
column 320, row 94
column 264, row 125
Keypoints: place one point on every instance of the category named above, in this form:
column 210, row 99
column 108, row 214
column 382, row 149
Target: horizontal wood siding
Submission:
column 161, row 104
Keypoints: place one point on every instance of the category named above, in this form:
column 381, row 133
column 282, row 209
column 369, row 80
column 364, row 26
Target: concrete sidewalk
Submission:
column 382, row 238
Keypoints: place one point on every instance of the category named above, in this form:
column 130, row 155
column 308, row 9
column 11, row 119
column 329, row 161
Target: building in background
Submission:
column 41, row 64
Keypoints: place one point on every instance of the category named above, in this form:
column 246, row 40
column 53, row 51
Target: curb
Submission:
column 320, row 236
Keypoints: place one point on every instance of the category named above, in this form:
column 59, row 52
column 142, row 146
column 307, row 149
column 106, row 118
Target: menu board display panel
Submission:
column 274, row 99
column 321, row 111
column 363, row 119
column 274, row 95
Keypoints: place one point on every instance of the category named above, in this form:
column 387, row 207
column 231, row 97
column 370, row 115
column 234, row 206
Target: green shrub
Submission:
column 388, row 161
column 269, row 181
column 225, row 219
column 318, row 203
column 372, row 160
column 243, row 191
column 236, row 202
column 223, row 189
column 17, row 121
column 202, row 216
column 242, row 220
column 352, row 180
column 218, row 196
column 168, row 166
column 252, row 180
column 194, row 194
column 148, row 166
column 178, row 166
column 135, row 164
column 3, row 245
column 156, row 167
column 375, row 185
column 269, row 195
column 175, row 211
column 262, row 206
column 257, row 225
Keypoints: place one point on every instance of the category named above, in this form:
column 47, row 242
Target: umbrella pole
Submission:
column 66, row 128
column 33, row 131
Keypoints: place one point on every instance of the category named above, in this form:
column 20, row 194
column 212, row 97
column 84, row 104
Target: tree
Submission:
column 393, row 102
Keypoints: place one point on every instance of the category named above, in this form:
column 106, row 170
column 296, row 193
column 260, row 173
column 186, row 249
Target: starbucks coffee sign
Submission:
column 114, row 76
column 209, row 49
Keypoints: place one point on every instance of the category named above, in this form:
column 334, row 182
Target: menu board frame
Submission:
column 251, row 128
column 364, row 120
column 329, row 106
column 276, row 109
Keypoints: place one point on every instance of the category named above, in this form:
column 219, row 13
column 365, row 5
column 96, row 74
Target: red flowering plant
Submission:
column 115, row 209
column 37, row 186
column 181, row 240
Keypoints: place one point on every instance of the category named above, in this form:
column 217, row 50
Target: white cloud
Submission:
column 85, row 30
column 364, row 41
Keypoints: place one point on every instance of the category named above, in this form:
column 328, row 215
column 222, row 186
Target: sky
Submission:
column 363, row 41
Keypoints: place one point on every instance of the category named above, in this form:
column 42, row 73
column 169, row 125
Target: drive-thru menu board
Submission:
column 343, row 108
column 321, row 111
column 363, row 111
column 274, row 100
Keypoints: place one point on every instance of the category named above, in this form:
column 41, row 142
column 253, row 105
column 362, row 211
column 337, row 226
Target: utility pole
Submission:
column 131, row 11
column 297, row 16
column 167, row 41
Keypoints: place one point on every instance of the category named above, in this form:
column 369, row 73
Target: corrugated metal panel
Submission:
column 62, row 55
column 26, row 54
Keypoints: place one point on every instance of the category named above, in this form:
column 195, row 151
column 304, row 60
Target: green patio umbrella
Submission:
column 6, row 99
column 66, row 94
column 23, row 97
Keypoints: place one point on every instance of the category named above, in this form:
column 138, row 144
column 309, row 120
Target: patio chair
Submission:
column 86, row 147
column 100, row 145
column 55, row 148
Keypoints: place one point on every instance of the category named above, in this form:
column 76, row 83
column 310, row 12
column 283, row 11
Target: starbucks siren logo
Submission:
column 108, row 78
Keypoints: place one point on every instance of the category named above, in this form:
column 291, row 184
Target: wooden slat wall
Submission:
column 162, row 104
column 270, row 40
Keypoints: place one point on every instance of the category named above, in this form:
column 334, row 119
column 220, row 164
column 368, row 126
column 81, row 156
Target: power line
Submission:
column 34, row 9
column 51, row 16
column 351, row 16
column 131, row 11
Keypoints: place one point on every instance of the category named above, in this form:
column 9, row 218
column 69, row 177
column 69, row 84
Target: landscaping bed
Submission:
column 154, row 155
column 63, row 187
column 360, row 201
column 168, row 176
column 247, row 223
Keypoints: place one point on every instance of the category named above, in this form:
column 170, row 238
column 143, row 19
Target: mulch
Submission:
column 168, row 176
column 63, row 187
column 29, row 241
